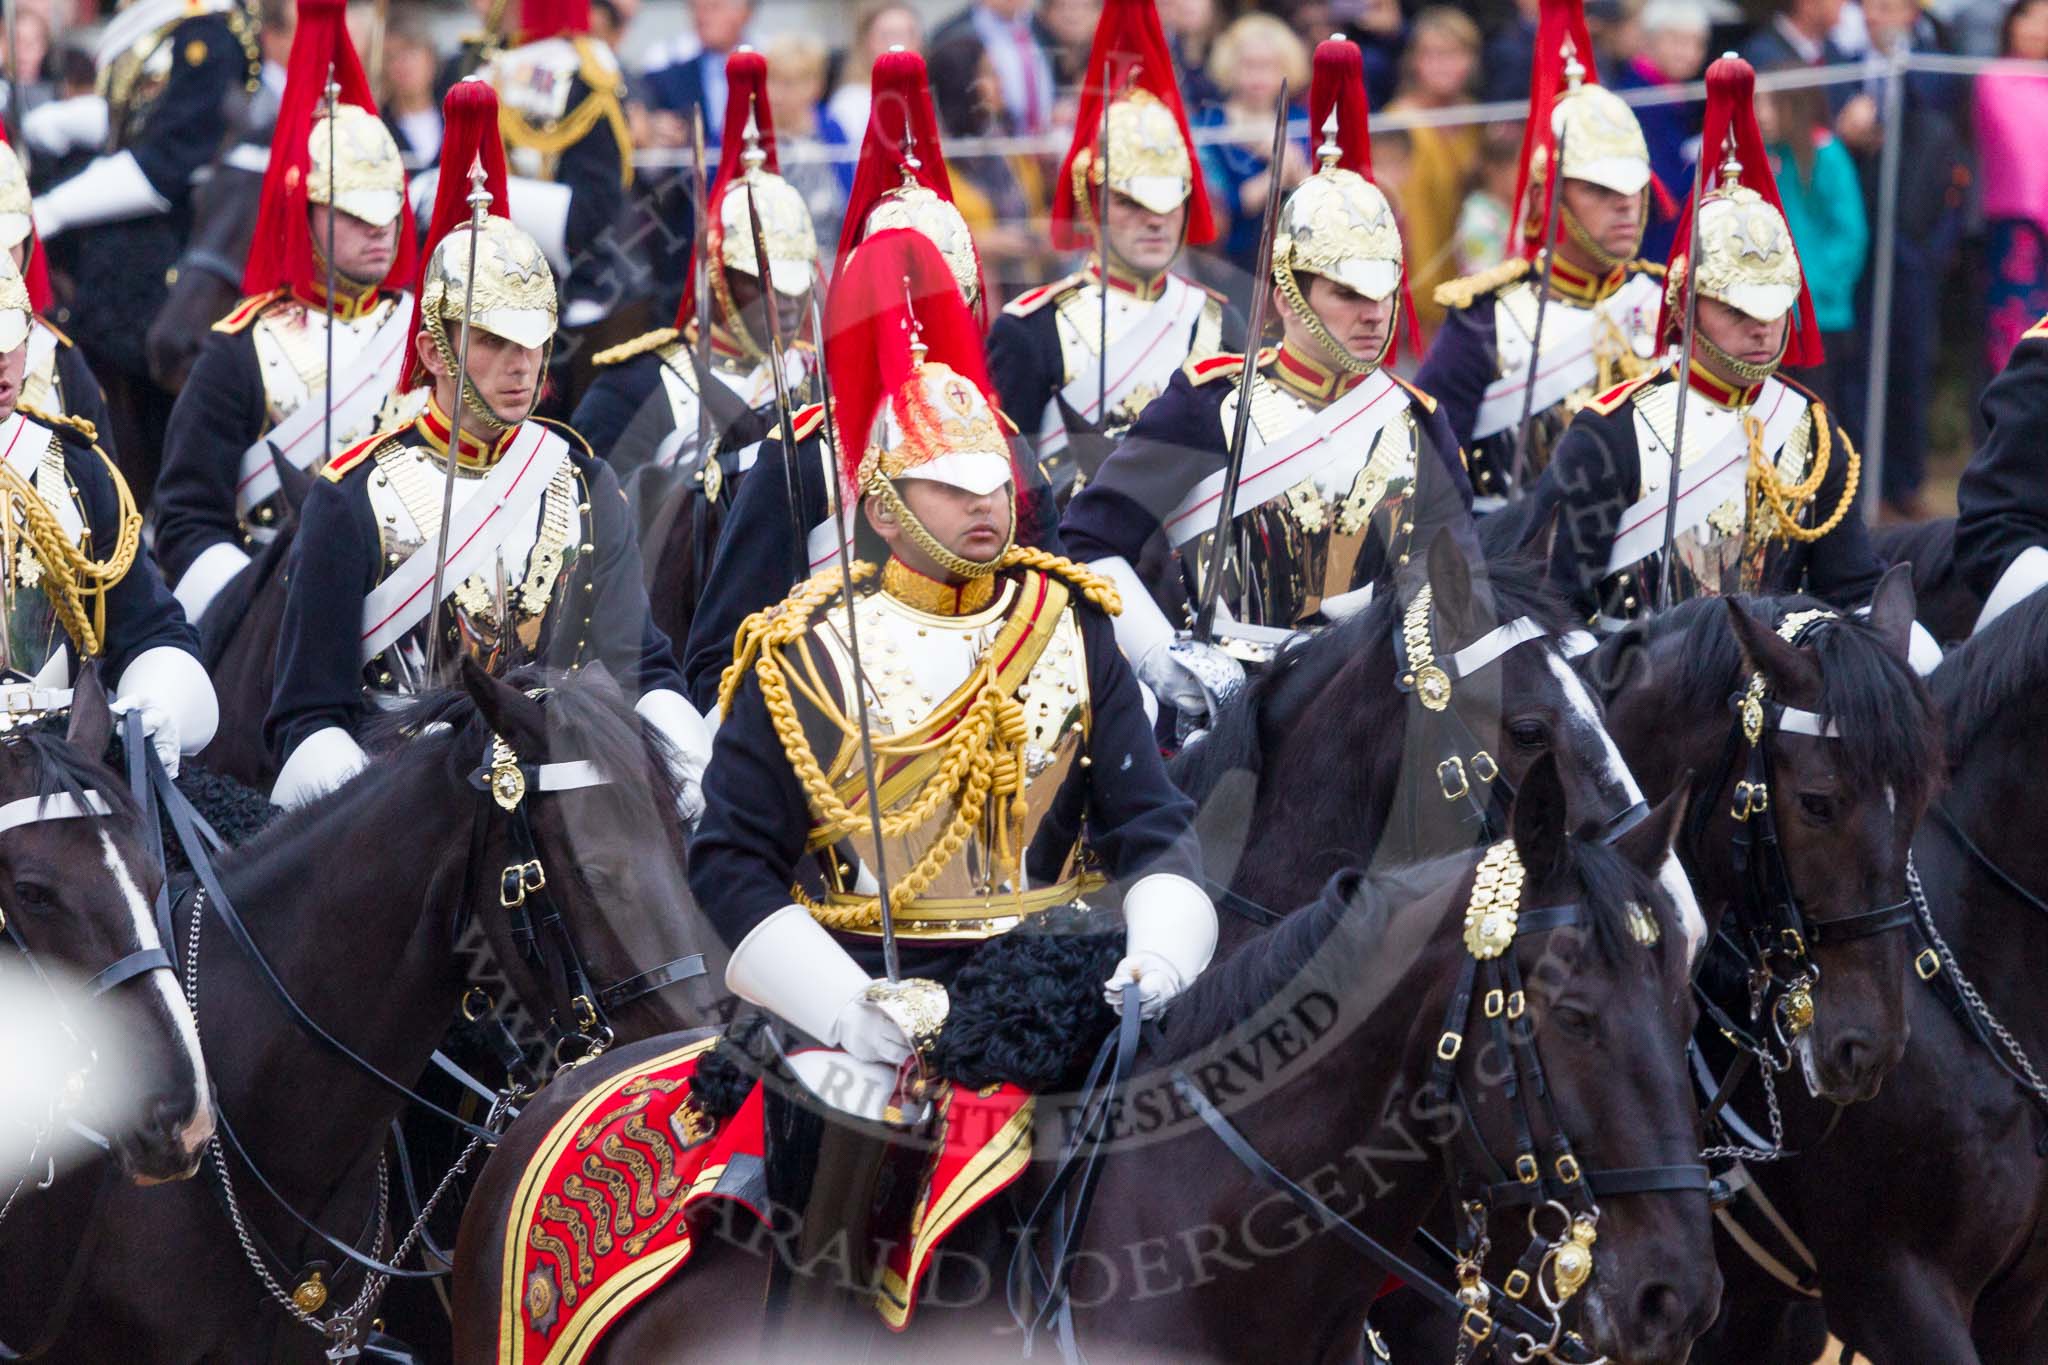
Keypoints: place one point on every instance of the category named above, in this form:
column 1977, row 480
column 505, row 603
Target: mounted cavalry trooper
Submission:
column 644, row 404
column 1055, row 348
column 1767, row 499
column 1598, row 323
column 170, row 72
column 76, row 582
column 2002, row 501
column 58, row 381
column 543, row 565
column 900, row 184
column 989, row 669
column 1343, row 457
column 259, row 393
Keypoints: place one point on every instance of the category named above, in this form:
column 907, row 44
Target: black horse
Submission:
column 1922, row 1211
column 354, row 903
column 1329, row 760
column 1186, row 1255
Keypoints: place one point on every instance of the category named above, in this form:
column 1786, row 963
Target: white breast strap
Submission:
column 1793, row 721
column 1575, row 643
column 1492, row 645
column 57, row 806
column 564, row 777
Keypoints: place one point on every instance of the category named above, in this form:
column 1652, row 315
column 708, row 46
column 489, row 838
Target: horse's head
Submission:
column 1574, row 1059
column 76, row 885
column 1513, row 695
column 1841, row 805
column 591, row 918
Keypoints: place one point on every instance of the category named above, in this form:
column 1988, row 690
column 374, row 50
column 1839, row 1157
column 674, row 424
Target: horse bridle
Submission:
column 1778, row 935
column 540, row 932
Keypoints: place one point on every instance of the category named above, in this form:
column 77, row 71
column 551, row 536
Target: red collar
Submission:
column 1129, row 282
column 1310, row 377
column 1728, row 395
column 433, row 426
column 348, row 305
column 1570, row 282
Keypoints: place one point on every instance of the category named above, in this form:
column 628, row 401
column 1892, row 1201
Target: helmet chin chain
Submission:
column 474, row 408
column 1334, row 350
column 957, row 565
column 1745, row 372
column 1583, row 239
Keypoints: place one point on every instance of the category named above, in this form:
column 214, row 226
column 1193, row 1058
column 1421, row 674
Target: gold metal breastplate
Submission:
column 1078, row 315
column 917, row 662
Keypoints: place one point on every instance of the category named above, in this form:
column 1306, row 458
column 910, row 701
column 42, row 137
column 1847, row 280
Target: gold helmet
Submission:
column 514, row 298
column 895, row 186
column 786, row 228
column 1743, row 251
column 1148, row 160
column 15, row 310
column 938, row 426
column 1578, row 130
column 369, row 182
column 1603, row 144
column 912, row 205
column 14, row 200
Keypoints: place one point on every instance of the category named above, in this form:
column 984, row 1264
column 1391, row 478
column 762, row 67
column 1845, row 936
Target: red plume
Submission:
column 36, row 274
column 890, row 276
column 746, row 92
column 281, row 251
column 1129, row 50
column 902, row 100
column 470, row 115
column 1731, row 113
column 1339, row 85
column 540, row 19
column 1561, row 21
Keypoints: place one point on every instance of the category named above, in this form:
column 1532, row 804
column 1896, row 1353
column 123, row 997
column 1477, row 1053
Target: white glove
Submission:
column 791, row 966
column 689, row 746
column 61, row 125
column 1147, row 640
column 111, row 188
column 1169, row 937
column 323, row 761
column 863, row 1031
column 1167, row 673
column 170, row 690
column 213, row 569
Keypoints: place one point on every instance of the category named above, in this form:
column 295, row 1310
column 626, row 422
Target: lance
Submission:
column 1668, row 575
column 333, row 97
column 1102, row 247
column 1518, row 475
column 479, row 209
column 842, row 535
column 700, row 200
column 1262, row 298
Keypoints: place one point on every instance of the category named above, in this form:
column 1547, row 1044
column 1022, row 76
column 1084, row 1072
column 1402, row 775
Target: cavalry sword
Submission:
column 1102, row 247
column 479, row 209
column 792, row 485
column 842, row 536
column 1519, row 470
column 1668, row 575
column 700, row 196
column 1262, row 298
column 333, row 97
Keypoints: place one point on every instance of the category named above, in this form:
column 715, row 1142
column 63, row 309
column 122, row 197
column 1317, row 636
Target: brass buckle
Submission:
column 1518, row 1004
column 1452, row 772
column 1496, row 1001
column 1794, row 942
column 1568, row 1169
column 1477, row 1324
column 1448, row 1045
column 1751, row 798
column 1483, row 766
column 519, row 881
column 1516, row 1284
column 585, row 1011
column 1928, row 964
column 1526, row 1169
column 476, row 1003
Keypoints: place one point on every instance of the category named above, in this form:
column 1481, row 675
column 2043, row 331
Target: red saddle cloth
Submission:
column 602, row 1214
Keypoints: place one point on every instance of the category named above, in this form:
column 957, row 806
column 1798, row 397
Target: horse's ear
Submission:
column 1650, row 842
column 1538, row 533
column 91, row 726
column 512, row 715
column 1892, row 607
column 293, row 482
column 1789, row 670
column 1537, row 822
column 1450, row 583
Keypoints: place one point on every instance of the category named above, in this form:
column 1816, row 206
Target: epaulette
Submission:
column 245, row 312
column 337, row 468
column 62, row 340
column 807, row 421
column 1221, row 365
column 61, row 421
column 1460, row 293
column 639, row 345
column 1611, row 400
column 1031, row 300
column 1428, row 401
column 2036, row 332
column 1654, row 269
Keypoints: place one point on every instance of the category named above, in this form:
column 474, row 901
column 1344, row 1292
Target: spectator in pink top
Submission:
column 2011, row 111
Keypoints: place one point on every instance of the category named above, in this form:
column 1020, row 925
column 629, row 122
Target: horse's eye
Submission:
column 1529, row 734
column 597, row 879
column 1575, row 1022
column 1817, row 807
column 34, row 895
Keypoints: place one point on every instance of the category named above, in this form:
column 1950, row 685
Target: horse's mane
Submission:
column 1889, row 733
column 1351, row 915
column 1516, row 586
column 2005, row 662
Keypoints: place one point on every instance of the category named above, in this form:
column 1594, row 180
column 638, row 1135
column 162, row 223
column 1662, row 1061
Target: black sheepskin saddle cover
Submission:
column 1025, row 1008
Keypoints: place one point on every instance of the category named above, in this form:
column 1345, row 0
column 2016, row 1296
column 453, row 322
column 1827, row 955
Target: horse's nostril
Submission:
column 1854, row 1055
column 1659, row 1306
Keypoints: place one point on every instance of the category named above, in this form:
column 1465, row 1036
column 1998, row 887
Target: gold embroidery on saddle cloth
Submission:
column 416, row 479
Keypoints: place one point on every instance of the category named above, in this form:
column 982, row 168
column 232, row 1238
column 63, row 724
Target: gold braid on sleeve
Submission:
column 75, row 583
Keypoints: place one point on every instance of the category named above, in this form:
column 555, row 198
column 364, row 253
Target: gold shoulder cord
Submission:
column 1766, row 492
column 75, row 583
column 982, row 757
column 601, row 103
